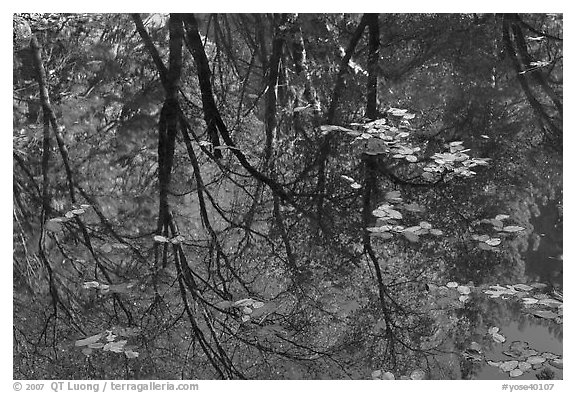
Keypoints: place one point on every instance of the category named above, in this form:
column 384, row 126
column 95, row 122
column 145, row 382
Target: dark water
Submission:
column 544, row 263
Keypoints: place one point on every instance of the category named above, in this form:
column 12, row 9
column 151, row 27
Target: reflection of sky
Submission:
column 483, row 312
column 536, row 334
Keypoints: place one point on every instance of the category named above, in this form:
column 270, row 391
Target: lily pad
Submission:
column 452, row 284
column 512, row 229
column 524, row 366
column 388, row 376
column 464, row 290
column 376, row 374
column 417, row 375
column 516, row 372
column 529, row 300
column 509, row 365
column 523, row 287
column 493, row 241
column 558, row 363
column 546, row 314
column 497, row 337
column 535, row 360
column 549, row 355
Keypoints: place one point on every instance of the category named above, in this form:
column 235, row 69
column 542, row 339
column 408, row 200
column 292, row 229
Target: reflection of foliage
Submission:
column 191, row 177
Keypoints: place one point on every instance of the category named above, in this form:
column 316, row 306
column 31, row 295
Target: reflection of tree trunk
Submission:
column 521, row 61
column 331, row 116
column 344, row 69
column 373, row 57
column 211, row 113
column 271, row 94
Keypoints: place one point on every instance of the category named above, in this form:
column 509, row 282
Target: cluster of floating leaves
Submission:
column 534, row 300
column 389, row 214
column 109, row 341
column 246, row 306
column 455, row 162
column 538, row 304
column 382, row 136
column 54, row 223
column 490, row 242
column 462, row 290
column 387, row 375
column 525, row 359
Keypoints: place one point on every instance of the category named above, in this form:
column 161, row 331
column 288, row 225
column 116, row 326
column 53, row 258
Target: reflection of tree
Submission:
column 219, row 116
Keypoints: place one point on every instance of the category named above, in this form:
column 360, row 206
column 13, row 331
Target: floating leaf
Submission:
column 356, row 186
column 388, row 376
column 550, row 302
column 411, row 158
column 393, row 196
column 376, row 374
column 106, row 248
column 91, row 284
column 463, row 298
column 417, row 375
column 425, row 225
column 493, row 242
column 88, row 340
column 509, row 365
column 497, row 337
column 329, row 128
column 87, row 351
column 160, row 239
column 244, row 302
column 245, row 318
column 501, row 217
column 516, row 372
column 436, row 232
column 78, row 212
column 247, row 310
column 524, row 366
column 558, row 363
column 535, row 359
column 428, row 176
column 463, row 289
column 452, row 284
column 131, row 354
column 523, row 287
column 115, row 346
column 85, row 206
column 258, row 305
column 177, row 240
column 529, row 300
column 69, row 215
column 494, row 364
column 411, row 236
column 474, row 346
column 547, row 314
column 394, row 214
column 512, row 228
